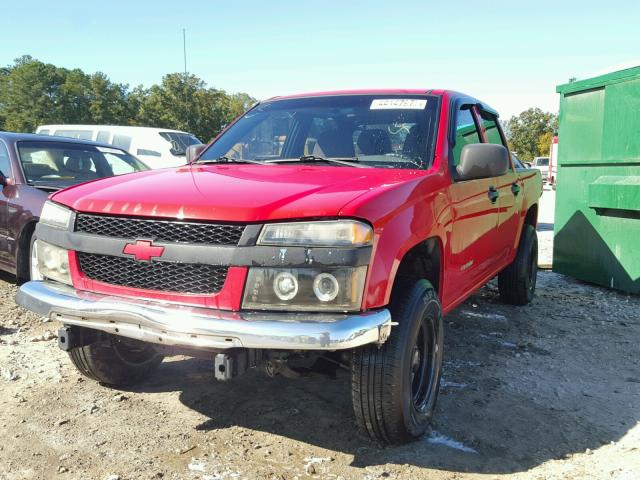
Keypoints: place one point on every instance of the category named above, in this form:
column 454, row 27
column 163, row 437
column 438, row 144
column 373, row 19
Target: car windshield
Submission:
column 374, row 130
column 179, row 141
column 542, row 162
column 62, row 164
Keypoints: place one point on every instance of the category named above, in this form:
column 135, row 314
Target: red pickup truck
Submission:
column 332, row 228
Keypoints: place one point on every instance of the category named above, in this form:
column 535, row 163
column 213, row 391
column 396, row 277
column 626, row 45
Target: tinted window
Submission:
column 516, row 161
column 61, row 164
column 121, row 141
column 382, row 131
column 5, row 161
column 103, row 136
column 79, row 134
column 466, row 132
column 490, row 125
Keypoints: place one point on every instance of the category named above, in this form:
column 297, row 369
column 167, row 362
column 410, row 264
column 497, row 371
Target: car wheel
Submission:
column 395, row 386
column 517, row 282
column 114, row 360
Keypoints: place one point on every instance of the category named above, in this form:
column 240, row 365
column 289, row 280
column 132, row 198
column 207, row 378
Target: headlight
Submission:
column 328, row 233
column 53, row 262
column 55, row 215
column 304, row 289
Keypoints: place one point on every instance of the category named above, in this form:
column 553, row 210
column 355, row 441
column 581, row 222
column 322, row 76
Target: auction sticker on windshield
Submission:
column 398, row 104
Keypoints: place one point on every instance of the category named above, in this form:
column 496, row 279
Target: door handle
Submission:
column 493, row 194
column 515, row 188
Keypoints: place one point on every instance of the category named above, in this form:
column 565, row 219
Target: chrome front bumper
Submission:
column 205, row 328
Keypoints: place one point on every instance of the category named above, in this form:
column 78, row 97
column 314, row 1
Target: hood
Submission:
column 231, row 193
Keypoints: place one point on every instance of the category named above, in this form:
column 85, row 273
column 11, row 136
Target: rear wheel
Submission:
column 517, row 282
column 395, row 386
column 115, row 360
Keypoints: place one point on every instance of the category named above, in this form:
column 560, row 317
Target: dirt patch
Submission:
column 551, row 390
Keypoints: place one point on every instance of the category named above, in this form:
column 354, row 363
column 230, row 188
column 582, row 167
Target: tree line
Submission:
column 530, row 133
column 33, row 93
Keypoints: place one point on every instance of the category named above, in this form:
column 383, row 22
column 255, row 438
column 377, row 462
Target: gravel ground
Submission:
column 551, row 390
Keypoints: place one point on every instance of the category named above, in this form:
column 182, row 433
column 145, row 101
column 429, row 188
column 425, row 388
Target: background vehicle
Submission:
column 322, row 228
column 157, row 147
column 31, row 167
column 542, row 164
column 553, row 162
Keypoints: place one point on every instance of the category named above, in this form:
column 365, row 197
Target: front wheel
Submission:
column 395, row 386
column 114, row 360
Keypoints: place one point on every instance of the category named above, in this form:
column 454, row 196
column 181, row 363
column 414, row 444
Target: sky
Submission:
column 509, row 54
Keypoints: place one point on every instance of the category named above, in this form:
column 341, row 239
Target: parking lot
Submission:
column 551, row 390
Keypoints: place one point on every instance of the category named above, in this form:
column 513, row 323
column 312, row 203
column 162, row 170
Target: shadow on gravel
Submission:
column 488, row 420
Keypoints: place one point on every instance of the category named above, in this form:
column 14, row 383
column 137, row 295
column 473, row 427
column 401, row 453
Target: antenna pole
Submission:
column 184, row 49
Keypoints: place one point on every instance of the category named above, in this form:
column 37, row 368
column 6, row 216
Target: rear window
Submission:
column 62, row 164
column 542, row 162
column 179, row 141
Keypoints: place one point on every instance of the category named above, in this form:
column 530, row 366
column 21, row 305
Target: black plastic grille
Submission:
column 162, row 276
column 160, row 230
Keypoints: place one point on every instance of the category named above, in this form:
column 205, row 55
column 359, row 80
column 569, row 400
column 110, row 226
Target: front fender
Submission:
column 402, row 216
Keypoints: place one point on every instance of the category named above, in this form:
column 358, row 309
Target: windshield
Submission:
column 377, row 130
column 179, row 141
column 542, row 162
column 62, row 164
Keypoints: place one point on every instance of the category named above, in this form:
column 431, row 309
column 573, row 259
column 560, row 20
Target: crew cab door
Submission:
column 510, row 191
column 472, row 242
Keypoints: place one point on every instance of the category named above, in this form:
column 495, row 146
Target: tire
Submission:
column 394, row 388
column 114, row 360
column 517, row 282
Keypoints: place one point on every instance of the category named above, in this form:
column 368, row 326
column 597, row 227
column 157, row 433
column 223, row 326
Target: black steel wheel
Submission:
column 395, row 386
column 517, row 282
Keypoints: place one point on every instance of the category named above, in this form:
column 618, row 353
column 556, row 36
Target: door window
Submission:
column 491, row 128
column 466, row 132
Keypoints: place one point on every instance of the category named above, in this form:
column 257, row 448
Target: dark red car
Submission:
column 31, row 168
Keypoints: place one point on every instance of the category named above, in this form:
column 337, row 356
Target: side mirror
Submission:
column 194, row 151
column 483, row 160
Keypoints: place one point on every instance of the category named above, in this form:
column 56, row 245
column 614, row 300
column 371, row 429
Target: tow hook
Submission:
column 235, row 362
column 70, row 337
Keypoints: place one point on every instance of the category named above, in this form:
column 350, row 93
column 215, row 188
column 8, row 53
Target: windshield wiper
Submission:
column 229, row 160
column 347, row 162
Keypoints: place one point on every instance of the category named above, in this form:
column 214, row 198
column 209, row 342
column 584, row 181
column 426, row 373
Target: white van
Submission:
column 157, row 147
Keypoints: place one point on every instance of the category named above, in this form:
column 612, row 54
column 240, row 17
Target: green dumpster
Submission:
column 597, row 218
